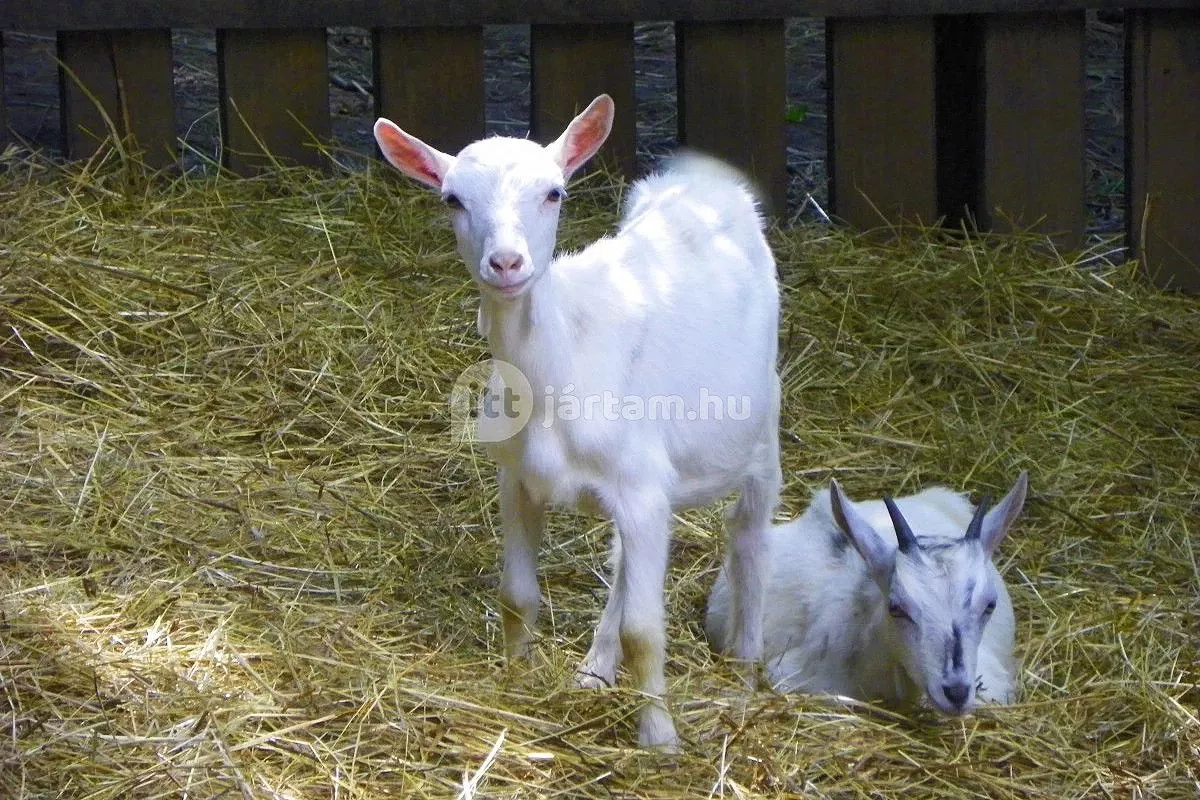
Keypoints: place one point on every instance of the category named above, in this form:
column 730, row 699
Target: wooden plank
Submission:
column 958, row 78
column 429, row 81
column 733, row 98
column 571, row 65
column 274, row 95
column 1033, row 131
column 1162, row 84
column 882, row 153
column 4, row 134
column 102, row 14
column 117, row 83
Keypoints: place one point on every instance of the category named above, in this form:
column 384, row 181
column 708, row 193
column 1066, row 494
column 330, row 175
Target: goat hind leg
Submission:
column 748, row 523
column 645, row 530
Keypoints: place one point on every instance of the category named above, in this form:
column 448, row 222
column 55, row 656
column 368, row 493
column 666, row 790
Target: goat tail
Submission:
column 698, row 165
column 698, row 176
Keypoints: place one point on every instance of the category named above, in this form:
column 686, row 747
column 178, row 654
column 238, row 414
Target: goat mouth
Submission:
column 509, row 290
column 949, row 709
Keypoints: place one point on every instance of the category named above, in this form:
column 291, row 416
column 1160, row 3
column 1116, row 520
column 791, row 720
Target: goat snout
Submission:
column 506, row 263
column 957, row 693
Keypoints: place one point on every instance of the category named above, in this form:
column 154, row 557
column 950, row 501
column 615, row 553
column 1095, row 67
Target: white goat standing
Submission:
column 897, row 617
column 678, row 313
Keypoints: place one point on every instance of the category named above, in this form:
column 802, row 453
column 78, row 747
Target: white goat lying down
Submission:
column 891, row 601
column 676, row 314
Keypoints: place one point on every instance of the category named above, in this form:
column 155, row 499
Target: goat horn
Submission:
column 904, row 536
column 976, row 525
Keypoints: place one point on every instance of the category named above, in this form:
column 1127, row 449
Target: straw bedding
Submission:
column 242, row 556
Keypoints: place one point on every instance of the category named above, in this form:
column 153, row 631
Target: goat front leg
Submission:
column 599, row 667
column 748, row 521
column 644, row 523
column 522, row 521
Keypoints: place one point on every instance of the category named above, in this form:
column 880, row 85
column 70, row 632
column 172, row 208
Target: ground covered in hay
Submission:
column 241, row 554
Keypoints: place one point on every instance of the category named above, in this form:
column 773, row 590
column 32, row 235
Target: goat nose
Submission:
column 503, row 261
column 957, row 693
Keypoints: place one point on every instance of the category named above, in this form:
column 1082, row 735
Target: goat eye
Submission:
column 555, row 195
column 897, row 611
column 453, row 201
column 987, row 612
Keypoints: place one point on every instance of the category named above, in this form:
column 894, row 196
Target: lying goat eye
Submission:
column 555, row 195
column 897, row 611
column 453, row 201
column 987, row 612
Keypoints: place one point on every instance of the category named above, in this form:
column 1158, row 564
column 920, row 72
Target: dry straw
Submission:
column 241, row 555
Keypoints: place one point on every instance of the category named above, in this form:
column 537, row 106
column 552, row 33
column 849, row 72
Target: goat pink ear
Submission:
column 410, row 155
column 584, row 136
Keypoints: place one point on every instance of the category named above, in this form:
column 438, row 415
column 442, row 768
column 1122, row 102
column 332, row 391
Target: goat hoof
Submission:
column 749, row 674
column 519, row 655
column 589, row 677
column 656, row 732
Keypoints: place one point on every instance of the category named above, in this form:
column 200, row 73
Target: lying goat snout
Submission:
column 958, row 693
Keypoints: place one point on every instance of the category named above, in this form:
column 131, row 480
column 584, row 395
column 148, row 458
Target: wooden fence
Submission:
column 938, row 108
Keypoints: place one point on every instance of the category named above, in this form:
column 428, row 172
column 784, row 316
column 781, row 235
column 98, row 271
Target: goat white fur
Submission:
column 853, row 609
column 679, row 306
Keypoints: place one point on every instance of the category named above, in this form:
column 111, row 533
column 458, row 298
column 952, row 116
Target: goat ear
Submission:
column 866, row 540
column 584, row 136
column 1001, row 518
column 411, row 156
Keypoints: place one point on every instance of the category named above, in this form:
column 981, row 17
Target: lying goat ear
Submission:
column 410, row 155
column 999, row 520
column 879, row 554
